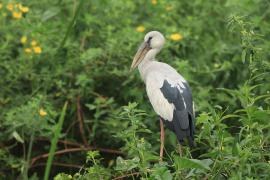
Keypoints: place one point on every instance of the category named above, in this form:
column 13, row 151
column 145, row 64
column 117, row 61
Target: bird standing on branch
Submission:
column 167, row 90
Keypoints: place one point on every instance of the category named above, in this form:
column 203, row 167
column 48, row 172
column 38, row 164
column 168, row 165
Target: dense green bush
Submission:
column 80, row 52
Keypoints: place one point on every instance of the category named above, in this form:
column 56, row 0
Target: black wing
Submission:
column 183, row 123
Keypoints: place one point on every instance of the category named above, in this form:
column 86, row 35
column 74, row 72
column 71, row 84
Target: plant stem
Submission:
column 80, row 120
column 54, row 142
column 71, row 24
column 25, row 172
column 80, row 149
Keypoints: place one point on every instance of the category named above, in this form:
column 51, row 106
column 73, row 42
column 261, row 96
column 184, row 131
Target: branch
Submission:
column 70, row 126
column 59, row 164
column 64, row 151
column 61, row 141
column 127, row 175
column 80, row 119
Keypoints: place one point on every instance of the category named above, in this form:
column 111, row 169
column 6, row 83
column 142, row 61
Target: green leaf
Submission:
column 17, row 137
column 185, row 163
column 150, row 157
column 50, row 13
column 126, row 165
column 203, row 117
column 92, row 155
column 230, row 116
column 161, row 172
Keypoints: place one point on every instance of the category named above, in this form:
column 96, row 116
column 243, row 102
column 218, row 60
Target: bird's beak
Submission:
column 139, row 56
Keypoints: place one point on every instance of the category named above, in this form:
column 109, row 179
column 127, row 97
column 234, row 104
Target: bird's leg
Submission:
column 161, row 140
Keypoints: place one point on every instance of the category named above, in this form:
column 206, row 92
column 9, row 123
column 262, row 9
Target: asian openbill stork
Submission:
column 168, row 91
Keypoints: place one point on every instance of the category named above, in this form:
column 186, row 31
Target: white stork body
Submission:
column 167, row 90
column 154, row 74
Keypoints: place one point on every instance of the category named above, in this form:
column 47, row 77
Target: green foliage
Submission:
column 22, row 121
column 80, row 52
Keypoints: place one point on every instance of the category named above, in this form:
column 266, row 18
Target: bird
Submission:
column 168, row 92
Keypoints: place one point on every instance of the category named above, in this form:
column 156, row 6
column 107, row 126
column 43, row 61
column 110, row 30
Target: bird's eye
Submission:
column 149, row 39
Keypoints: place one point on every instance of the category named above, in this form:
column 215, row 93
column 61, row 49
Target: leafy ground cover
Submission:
column 70, row 108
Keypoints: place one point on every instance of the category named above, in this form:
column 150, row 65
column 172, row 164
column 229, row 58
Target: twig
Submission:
column 126, row 175
column 70, row 126
column 61, row 141
column 80, row 119
column 59, row 164
column 112, row 151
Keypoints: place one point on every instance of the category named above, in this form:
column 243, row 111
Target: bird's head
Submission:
column 153, row 42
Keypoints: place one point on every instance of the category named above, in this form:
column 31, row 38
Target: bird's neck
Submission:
column 146, row 62
column 144, row 67
column 150, row 56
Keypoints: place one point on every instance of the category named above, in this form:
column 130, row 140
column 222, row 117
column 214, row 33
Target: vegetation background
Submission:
column 70, row 108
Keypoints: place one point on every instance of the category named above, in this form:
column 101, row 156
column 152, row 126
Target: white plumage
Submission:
column 153, row 74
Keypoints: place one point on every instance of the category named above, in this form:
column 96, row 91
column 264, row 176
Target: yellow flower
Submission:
column 176, row 37
column 154, row 2
column 10, row 6
column 28, row 50
column 24, row 9
column 1, row 5
column 37, row 49
column 140, row 29
column 23, row 39
column 34, row 43
column 17, row 15
column 42, row 112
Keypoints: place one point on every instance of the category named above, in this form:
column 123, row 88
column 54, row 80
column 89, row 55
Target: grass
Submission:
column 54, row 141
